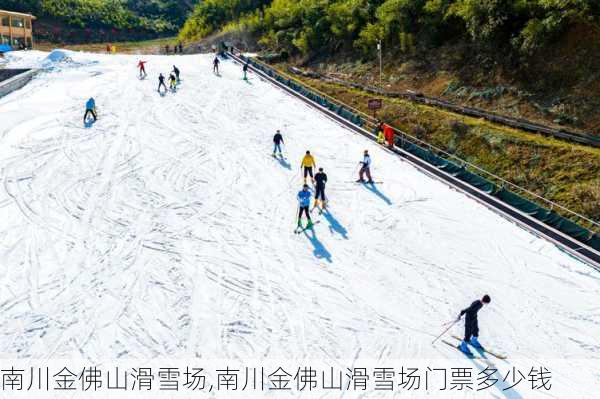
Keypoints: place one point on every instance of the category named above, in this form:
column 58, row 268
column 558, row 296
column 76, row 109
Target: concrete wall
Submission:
column 6, row 74
column 16, row 82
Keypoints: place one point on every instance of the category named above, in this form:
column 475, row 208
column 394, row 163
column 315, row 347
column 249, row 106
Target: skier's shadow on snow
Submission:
column 320, row 252
column 374, row 190
column 284, row 163
column 89, row 123
column 334, row 225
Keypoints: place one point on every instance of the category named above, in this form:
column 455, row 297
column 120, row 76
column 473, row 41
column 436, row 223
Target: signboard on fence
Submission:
column 374, row 104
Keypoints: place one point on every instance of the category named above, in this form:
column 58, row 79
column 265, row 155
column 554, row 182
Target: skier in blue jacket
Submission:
column 90, row 108
column 471, row 325
column 304, row 197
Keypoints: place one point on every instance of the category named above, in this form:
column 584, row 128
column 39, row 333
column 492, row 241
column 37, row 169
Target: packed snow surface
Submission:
column 165, row 229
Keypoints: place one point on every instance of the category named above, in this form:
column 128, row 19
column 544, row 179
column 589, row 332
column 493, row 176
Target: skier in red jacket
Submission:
column 388, row 133
column 142, row 67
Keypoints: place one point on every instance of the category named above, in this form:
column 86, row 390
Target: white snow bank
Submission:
column 57, row 56
column 59, row 59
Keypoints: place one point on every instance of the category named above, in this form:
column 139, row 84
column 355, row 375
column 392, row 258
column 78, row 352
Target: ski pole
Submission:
column 446, row 330
column 297, row 216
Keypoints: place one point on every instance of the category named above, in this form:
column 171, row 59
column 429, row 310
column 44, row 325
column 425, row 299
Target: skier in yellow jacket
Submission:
column 379, row 132
column 308, row 163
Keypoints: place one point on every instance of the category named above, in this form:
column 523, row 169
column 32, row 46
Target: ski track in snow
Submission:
column 165, row 229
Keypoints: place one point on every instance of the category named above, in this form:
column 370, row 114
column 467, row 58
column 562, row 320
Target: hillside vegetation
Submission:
column 88, row 20
column 520, row 27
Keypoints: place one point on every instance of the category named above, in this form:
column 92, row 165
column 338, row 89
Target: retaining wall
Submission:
column 14, row 79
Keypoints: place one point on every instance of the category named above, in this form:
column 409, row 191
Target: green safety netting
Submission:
column 451, row 168
column 549, row 217
column 477, row 181
column 546, row 216
column 518, row 202
column 595, row 241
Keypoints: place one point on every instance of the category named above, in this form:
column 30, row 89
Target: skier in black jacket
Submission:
column 277, row 142
column 245, row 69
column 320, row 180
column 161, row 82
column 216, row 65
column 471, row 326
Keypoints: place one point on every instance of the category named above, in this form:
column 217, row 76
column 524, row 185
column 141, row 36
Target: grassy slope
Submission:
column 566, row 173
column 561, row 85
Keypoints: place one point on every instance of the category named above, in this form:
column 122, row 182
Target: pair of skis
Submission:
column 300, row 229
column 473, row 356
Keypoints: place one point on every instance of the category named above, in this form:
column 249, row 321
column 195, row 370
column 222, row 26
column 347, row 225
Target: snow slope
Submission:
column 165, row 230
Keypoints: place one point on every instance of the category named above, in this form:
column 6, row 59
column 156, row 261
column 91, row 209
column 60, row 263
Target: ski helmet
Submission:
column 486, row 299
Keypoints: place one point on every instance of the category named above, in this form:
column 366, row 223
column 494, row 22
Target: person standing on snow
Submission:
column 216, row 65
column 304, row 204
column 308, row 163
column 245, row 69
column 471, row 325
column 277, row 142
column 161, row 82
column 142, row 66
column 365, row 169
column 172, row 81
column 388, row 133
column 176, row 71
column 320, row 179
column 379, row 133
column 90, row 108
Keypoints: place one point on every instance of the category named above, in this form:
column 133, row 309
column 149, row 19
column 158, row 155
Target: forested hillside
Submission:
column 86, row 20
column 305, row 26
